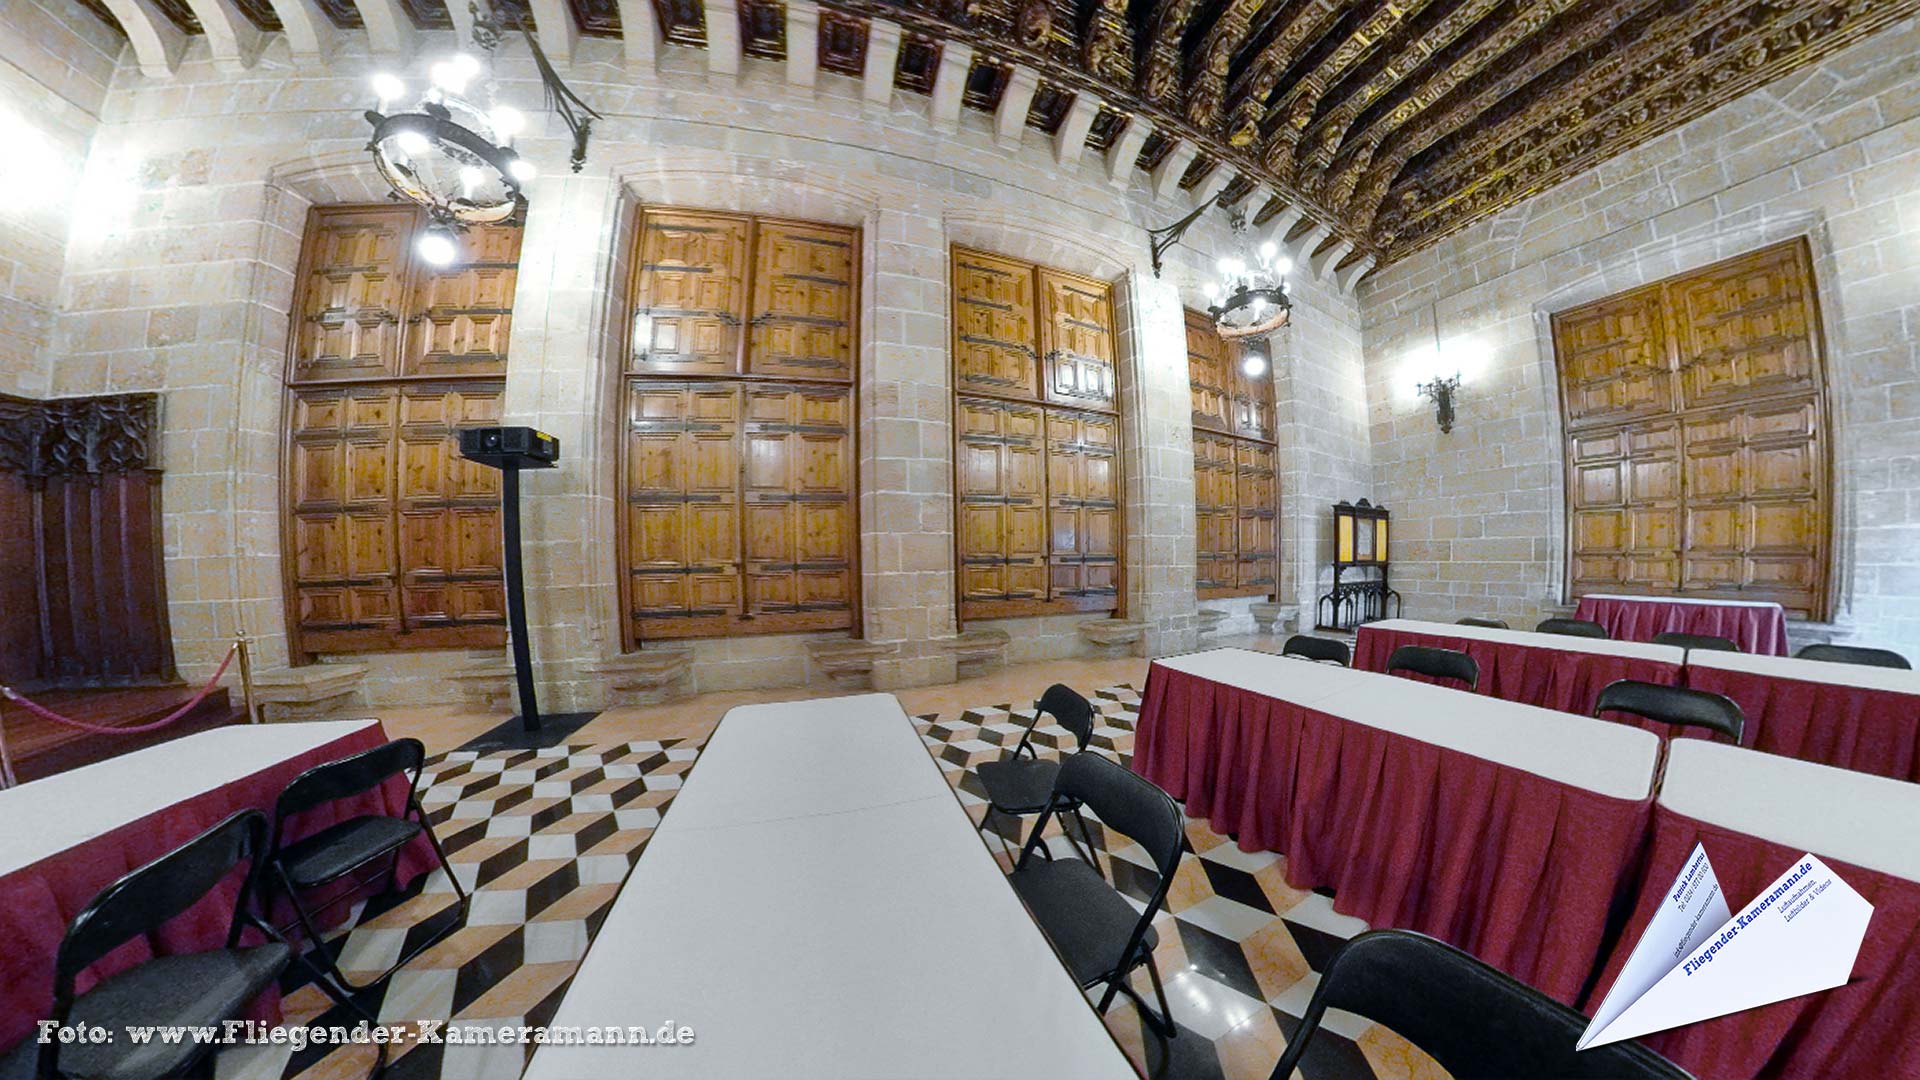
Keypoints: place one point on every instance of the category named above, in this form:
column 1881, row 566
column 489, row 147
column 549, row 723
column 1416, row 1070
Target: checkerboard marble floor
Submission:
column 544, row 838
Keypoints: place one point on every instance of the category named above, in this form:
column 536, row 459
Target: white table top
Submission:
column 1896, row 680
column 1608, row 758
column 47, row 816
column 1681, row 600
column 1835, row 813
column 1638, row 650
column 832, row 940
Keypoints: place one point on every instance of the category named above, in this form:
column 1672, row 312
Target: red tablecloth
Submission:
column 1756, row 628
column 1853, row 727
column 1564, row 679
column 1867, row 1028
column 1515, row 868
column 39, row 901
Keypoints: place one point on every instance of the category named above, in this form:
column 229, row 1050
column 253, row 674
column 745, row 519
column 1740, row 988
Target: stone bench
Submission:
column 1114, row 637
column 849, row 664
column 976, row 652
column 1207, row 620
column 308, row 692
column 645, row 678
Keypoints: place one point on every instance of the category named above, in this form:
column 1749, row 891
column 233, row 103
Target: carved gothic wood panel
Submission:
column 1076, row 338
column 352, row 293
column 803, row 311
column 1718, row 481
column 462, row 314
column 690, row 293
column 994, row 326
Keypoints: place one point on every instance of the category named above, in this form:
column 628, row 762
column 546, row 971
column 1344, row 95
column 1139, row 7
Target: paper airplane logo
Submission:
column 1698, row 960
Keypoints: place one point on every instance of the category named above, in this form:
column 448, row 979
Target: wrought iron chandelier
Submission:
column 453, row 154
column 1250, row 299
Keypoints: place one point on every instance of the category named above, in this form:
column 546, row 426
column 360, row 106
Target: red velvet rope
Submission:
column 97, row 729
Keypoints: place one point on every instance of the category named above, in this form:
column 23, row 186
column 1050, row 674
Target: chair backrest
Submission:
column 1436, row 663
column 1318, row 648
column 1571, row 628
column 1129, row 804
column 1695, row 641
column 146, row 898
column 1855, row 654
column 1673, row 705
column 350, row 775
column 1490, row 624
column 1064, row 703
column 1471, row 1018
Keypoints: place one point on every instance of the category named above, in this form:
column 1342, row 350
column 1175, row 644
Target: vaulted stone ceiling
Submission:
column 1384, row 124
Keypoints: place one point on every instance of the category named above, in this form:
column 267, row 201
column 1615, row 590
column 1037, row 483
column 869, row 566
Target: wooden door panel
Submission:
column 1076, row 338
column 462, row 314
column 450, row 577
column 684, row 522
column 341, row 476
column 690, row 293
column 353, row 293
column 803, row 288
column 1258, row 504
column 1208, row 378
column 994, row 331
column 1082, row 555
column 1613, row 358
column 799, row 506
column 1745, row 327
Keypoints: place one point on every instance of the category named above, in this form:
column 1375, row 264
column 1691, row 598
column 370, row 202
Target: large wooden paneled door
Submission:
column 1036, row 440
column 1236, row 484
column 1697, row 458
column 391, row 539
column 738, row 478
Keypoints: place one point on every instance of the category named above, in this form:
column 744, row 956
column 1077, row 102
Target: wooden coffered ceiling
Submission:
column 1384, row 124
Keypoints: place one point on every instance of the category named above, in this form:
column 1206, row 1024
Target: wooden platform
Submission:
column 41, row 747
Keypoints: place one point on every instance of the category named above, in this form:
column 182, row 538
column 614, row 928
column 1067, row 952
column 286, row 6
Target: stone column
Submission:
column 906, row 449
column 1156, row 406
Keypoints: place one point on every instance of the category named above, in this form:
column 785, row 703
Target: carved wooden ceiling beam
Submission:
column 1411, row 104
column 1745, row 53
column 1160, row 79
column 1286, row 120
column 1385, row 71
column 1257, row 80
column 1207, row 77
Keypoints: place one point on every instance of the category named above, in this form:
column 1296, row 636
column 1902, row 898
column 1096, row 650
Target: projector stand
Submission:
column 517, row 593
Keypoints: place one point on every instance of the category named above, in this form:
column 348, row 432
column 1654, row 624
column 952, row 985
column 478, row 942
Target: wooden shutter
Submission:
column 690, row 293
column 462, row 314
column 683, row 508
column 803, row 315
column 1694, row 412
column 1256, row 504
column 1083, row 508
column 993, row 326
column 1076, row 338
column 448, row 512
column 1207, row 375
column 1002, row 488
column 343, row 571
column 798, row 517
column 1216, row 512
column 352, row 293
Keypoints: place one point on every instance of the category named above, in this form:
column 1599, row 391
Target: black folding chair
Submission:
column 1318, row 649
column 1476, row 1021
column 1490, row 624
column 1695, row 641
column 1571, row 628
column 346, row 849
column 1855, row 654
column 1017, row 787
column 1435, row 663
column 1673, row 705
column 1096, row 930
column 202, row 989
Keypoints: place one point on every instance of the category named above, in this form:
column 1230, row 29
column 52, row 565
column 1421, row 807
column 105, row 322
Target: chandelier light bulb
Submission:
column 507, row 121
column 387, row 87
column 1213, row 292
column 1254, row 364
column 412, row 142
column 448, row 77
column 466, row 64
column 1282, row 265
column 1236, row 268
column 471, row 178
column 436, row 246
column 522, row 170
column 1268, row 250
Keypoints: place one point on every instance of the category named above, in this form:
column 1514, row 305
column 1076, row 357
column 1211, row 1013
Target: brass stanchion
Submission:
column 246, row 676
column 7, row 778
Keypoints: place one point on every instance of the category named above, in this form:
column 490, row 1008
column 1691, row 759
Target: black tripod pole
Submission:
column 517, row 595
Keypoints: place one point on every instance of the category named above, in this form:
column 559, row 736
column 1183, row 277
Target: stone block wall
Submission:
column 183, row 274
column 1832, row 153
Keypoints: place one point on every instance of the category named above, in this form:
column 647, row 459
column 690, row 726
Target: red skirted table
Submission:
column 68, row 836
column 1756, row 626
column 1756, row 814
column 1856, row 717
column 1547, row 670
column 1504, row 829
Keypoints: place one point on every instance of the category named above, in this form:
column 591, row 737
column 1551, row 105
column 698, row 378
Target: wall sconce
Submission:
column 1440, row 390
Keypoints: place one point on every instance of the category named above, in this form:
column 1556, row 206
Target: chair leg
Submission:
column 333, row 972
column 1161, row 1024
